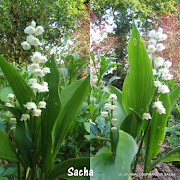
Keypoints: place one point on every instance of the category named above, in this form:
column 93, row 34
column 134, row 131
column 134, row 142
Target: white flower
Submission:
column 114, row 121
column 46, row 70
column 160, row 30
column 167, row 76
column 104, row 114
column 151, row 49
column 30, row 105
column 33, row 23
column 158, row 61
column 43, row 87
column 32, row 81
column 42, row 104
column 35, row 86
column 154, row 72
column 146, row 116
column 39, row 30
column 29, row 30
column 113, row 107
column 107, row 105
column 11, row 96
column 25, row 117
column 160, row 108
column 39, row 72
column 158, row 35
column 36, row 58
column 9, row 105
column 43, row 59
column 112, row 97
column 13, row 120
column 163, row 71
column 113, row 129
column 163, row 37
column 152, row 33
column 160, row 47
column 163, row 89
column 13, row 128
column 33, row 67
column 36, row 112
column 167, row 64
column 157, row 83
column 26, row 45
column 152, row 42
column 33, row 40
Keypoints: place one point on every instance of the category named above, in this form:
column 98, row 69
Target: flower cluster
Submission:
column 110, row 107
column 155, row 40
column 36, row 68
column 161, row 66
column 35, row 110
column 31, row 40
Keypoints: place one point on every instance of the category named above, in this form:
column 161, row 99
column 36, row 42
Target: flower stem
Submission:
column 140, row 146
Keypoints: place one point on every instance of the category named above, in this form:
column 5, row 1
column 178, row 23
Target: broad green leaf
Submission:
column 24, row 143
column 61, row 170
column 6, row 151
column 172, row 158
column 174, row 96
column 119, row 114
column 132, row 124
column 64, row 72
column 103, row 166
column 126, row 151
column 4, row 93
column 50, row 114
column 156, row 133
column 1, row 170
column 72, row 98
column 21, row 89
column 107, row 166
column 138, row 87
column 112, row 79
column 87, row 126
column 167, row 157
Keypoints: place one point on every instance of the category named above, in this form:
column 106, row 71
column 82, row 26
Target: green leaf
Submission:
column 6, row 151
column 87, row 126
column 2, row 125
column 156, row 133
column 64, row 72
column 126, row 151
column 132, row 124
column 61, row 170
column 174, row 96
column 9, row 172
column 23, row 143
column 167, row 158
column 138, row 87
column 72, row 98
column 103, row 166
column 50, row 114
column 21, row 89
column 1, row 170
column 107, row 166
column 112, row 79
column 119, row 114
column 4, row 93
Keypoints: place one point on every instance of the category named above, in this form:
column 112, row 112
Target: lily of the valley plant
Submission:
column 42, row 116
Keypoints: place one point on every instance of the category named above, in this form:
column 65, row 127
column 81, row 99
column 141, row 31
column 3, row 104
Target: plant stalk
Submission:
column 140, row 146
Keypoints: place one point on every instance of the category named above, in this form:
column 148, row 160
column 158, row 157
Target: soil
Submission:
column 163, row 171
